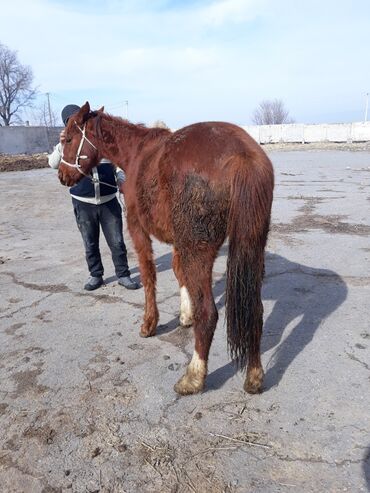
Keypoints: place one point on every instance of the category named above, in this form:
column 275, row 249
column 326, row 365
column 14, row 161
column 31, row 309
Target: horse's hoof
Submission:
column 189, row 384
column 253, row 381
column 146, row 331
column 146, row 334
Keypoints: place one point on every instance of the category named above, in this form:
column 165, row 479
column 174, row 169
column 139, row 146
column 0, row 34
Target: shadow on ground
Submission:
column 366, row 467
column 163, row 263
column 304, row 297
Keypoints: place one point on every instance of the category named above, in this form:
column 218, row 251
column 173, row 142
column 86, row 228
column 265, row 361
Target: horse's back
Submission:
column 208, row 147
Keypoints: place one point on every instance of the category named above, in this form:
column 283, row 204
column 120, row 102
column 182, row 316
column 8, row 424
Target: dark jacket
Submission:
column 86, row 188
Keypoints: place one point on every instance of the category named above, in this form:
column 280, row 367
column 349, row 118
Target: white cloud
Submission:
column 196, row 60
column 230, row 11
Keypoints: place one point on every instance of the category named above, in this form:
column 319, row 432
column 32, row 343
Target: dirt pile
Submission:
column 22, row 162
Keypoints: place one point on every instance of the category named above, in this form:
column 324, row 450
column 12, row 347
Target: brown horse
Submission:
column 191, row 188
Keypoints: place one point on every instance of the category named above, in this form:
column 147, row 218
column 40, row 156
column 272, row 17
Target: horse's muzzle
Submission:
column 65, row 178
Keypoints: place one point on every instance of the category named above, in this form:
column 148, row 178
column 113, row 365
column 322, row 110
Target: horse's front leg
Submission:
column 143, row 247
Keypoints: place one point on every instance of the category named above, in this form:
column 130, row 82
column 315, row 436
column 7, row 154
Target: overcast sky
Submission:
column 186, row 61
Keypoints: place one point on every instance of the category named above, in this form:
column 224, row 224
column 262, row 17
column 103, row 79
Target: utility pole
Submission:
column 49, row 108
column 126, row 110
column 366, row 106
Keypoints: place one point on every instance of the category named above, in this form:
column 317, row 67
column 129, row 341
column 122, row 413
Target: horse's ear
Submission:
column 101, row 110
column 83, row 114
column 85, row 109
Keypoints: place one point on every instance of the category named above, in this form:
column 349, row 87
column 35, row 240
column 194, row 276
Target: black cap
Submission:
column 68, row 111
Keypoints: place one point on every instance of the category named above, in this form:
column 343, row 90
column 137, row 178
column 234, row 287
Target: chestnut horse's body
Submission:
column 191, row 188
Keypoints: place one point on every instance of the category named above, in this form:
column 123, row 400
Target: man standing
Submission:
column 95, row 205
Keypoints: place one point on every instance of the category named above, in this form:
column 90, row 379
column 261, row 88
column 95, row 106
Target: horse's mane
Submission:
column 119, row 124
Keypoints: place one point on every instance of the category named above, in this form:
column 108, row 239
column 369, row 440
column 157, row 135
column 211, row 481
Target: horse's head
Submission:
column 80, row 149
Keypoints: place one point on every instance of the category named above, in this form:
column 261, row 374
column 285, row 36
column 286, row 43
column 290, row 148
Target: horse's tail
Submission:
column 248, row 225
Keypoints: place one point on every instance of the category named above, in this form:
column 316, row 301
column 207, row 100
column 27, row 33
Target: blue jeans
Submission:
column 108, row 216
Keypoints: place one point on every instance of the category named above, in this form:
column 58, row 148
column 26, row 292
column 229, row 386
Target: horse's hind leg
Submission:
column 186, row 309
column 198, row 279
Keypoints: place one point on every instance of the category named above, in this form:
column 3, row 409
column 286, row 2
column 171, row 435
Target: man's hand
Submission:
column 62, row 137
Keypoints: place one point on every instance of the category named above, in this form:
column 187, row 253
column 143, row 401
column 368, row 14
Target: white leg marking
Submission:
column 194, row 378
column 186, row 311
column 197, row 365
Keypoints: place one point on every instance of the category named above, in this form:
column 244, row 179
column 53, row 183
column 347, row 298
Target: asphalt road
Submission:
column 86, row 405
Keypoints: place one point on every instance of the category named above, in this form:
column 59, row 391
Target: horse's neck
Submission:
column 123, row 142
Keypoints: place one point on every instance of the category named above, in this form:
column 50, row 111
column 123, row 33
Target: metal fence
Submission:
column 295, row 132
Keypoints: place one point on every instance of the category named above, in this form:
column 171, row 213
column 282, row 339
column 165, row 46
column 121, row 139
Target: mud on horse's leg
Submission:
column 186, row 309
column 143, row 247
column 198, row 276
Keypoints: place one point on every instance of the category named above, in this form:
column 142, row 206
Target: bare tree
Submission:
column 271, row 112
column 16, row 91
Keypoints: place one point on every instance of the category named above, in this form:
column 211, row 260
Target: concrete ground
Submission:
column 86, row 405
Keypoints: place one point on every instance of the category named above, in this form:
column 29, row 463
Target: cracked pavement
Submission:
column 86, row 405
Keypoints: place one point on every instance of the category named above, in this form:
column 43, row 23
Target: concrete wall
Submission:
column 28, row 140
column 295, row 132
column 31, row 140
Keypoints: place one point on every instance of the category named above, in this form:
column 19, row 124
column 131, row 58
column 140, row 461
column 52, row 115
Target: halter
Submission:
column 78, row 157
